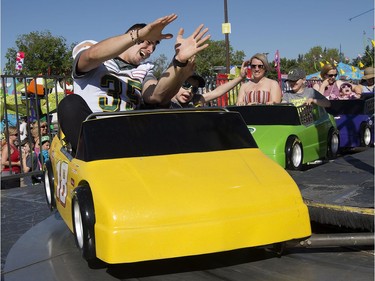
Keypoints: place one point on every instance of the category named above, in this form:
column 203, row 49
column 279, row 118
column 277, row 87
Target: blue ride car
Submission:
column 355, row 121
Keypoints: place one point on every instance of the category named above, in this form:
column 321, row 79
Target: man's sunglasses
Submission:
column 188, row 86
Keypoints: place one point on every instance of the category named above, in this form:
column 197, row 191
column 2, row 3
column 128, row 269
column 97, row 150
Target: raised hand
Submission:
column 243, row 71
column 153, row 31
column 190, row 46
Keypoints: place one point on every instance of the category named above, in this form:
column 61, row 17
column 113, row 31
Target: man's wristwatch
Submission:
column 176, row 63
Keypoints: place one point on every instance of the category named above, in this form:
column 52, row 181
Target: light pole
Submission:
column 226, row 29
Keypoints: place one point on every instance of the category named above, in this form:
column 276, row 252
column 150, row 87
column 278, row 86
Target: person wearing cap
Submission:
column 188, row 90
column 259, row 89
column 299, row 94
column 188, row 95
column 45, row 141
column 367, row 82
column 113, row 74
column 82, row 46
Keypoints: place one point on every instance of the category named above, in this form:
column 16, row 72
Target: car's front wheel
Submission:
column 293, row 154
column 333, row 143
column 83, row 217
column 365, row 135
column 49, row 185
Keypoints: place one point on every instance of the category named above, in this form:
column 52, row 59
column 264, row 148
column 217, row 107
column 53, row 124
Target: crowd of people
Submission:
column 114, row 75
column 23, row 153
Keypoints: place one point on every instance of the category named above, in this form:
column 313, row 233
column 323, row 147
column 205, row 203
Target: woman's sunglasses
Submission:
column 254, row 66
column 332, row 75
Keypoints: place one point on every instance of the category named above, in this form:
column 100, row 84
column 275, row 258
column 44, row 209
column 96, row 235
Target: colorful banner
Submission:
column 19, row 60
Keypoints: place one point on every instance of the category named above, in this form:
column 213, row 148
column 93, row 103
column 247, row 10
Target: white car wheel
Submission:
column 78, row 226
column 47, row 188
column 49, row 185
column 293, row 154
column 333, row 144
column 297, row 156
column 365, row 135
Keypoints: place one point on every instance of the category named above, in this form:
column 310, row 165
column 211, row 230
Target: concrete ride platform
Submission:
column 341, row 192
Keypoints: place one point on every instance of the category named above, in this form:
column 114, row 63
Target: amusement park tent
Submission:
column 345, row 71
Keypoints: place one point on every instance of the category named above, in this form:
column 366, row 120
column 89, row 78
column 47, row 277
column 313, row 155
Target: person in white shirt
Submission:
column 113, row 75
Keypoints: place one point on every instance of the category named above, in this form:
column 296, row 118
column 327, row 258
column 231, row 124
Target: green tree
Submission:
column 312, row 60
column 44, row 54
column 215, row 55
column 161, row 64
column 286, row 65
column 367, row 59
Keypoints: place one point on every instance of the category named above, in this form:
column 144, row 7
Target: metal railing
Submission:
column 35, row 100
column 28, row 102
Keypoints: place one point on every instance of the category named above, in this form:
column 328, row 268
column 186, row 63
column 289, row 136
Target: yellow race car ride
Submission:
column 157, row 184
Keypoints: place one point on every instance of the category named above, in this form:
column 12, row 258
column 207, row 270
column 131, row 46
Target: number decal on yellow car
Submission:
column 62, row 182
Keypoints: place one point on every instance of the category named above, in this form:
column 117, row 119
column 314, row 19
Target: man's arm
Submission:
column 319, row 99
column 114, row 46
column 162, row 91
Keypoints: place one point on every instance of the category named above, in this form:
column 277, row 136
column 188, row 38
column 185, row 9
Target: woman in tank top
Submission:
column 259, row 89
column 10, row 159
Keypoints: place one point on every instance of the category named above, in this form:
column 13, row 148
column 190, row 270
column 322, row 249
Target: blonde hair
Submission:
column 11, row 131
column 35, row 129
column 327, row 68
column 263, row 59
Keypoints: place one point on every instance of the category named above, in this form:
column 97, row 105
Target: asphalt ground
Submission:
column 21, row 209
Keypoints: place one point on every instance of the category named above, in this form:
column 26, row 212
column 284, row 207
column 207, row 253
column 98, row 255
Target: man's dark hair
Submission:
column 136, row 26
column 139, row 26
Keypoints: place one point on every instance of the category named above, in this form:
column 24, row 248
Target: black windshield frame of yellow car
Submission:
column 162, row 133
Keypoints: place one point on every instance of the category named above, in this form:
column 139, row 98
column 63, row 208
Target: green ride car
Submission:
column 292, row 136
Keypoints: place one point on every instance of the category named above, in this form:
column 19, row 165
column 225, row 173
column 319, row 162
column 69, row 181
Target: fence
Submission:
column 29, row 103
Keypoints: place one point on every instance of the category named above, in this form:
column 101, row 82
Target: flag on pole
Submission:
column 277, row 58
column 277, row 66
column 19, row 60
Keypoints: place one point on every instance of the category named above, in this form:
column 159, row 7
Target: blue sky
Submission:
column 293, row 27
